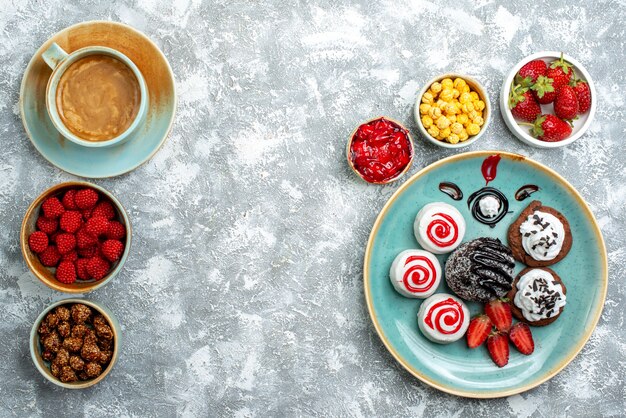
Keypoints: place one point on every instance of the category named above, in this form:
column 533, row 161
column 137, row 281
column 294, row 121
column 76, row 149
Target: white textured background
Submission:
column 243, row 292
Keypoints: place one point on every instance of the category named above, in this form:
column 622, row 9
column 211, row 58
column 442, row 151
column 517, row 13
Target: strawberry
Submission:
column 116, row 231
column 66, row 272
column 112, row 249
column 529, row 72
column 86, row 198
column 523, row 105
column 583, row 93
column 68, row 200
column 104, row 209
column 499, row 311
column 566, row 103
column 478, row 331
column 543, row 90
column 50, row 256
column 81, row 269
column 52, row 208
column 498, row 346
column 38, row 242
column 97, row 267
column 522, row 338
column 97, row 225
column 549, row 128
column 65, row 243
column 71, row 221
column 560, row 71
column 47, row 225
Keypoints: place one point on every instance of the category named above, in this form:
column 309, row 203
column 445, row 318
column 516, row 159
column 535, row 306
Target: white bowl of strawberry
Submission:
column 75, row 237
column 548, row 100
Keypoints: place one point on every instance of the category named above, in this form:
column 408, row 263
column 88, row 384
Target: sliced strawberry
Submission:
column 522, row 338
column 478, row 331
column 498, row 346
column 499, row 311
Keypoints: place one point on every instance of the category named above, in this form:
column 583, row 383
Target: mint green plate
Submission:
column 454, row 368
column 105, row 161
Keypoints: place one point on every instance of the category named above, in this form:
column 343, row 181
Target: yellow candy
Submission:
column 479, row 105
column 447, row 83
column 442, row 122
column 451, row 109
column 478, row 120
column 433, row 131
column 465, row 89
column 436, row 87
column 427, row 98
column 459, row 82
column 474, row 96
column 427, row 121
column 462, row 118
column 467, row 107
column 463, row 135
column 456, row 128
column 473, row 129
column 465, row 98
column 434, row 112
column 453, row 139
column 451, row 118
column 455, row 93
column 444, row 133
column 441, row 104
column 446, row 94
column 473, row 115
column 424, row 108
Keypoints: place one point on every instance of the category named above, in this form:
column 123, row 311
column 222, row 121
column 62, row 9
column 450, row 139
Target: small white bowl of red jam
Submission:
column 380, row 150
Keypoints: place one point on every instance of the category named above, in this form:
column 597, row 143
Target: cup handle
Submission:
column 54, row 55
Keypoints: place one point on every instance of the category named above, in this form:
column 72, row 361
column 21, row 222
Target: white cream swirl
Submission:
column 489, row 206
column 542, row 236
column 539, row 296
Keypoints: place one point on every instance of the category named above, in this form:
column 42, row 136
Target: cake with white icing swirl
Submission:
column 415, row 274
column 541, row 236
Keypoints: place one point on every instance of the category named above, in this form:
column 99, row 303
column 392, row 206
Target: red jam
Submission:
column 490, row 167
column 380, row 150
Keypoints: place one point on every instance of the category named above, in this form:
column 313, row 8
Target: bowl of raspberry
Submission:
column 380, row 150
column 75, row 237
column 548, row 100
column 74, row 343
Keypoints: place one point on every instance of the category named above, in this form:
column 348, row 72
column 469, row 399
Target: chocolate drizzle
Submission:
column 493, row 263
column 473, row 203
column 451, row 190
column 525, row 191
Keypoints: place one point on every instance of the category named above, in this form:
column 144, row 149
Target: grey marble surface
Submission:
column 243, row 293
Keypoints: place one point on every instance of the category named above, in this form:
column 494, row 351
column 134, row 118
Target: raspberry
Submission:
column 86, row 198
column 66, row 272
column 84, row 239
column 86, row 213
column 97, row 225
column 65, row 243
column 112, row 249
column 71, row 221
column 88, row 252
column 116, row 230
column 52, row 208
column 47, row 225
column 38, row 241
column 104, row 209
column 68, row 200
column 71, row 256
column 98, row 267
column 81, row 269
column 50, row 256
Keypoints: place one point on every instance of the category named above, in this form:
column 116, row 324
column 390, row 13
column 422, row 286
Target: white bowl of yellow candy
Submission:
column 452, row 110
